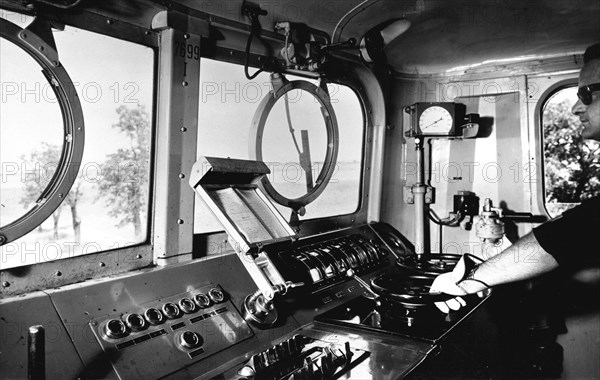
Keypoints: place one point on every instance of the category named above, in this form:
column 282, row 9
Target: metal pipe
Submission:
column 36, row 353
column 419, row 190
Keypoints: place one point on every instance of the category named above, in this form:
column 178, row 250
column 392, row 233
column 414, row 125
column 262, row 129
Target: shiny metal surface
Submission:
column 390, row 357
column 16, row 316
column 194, row 336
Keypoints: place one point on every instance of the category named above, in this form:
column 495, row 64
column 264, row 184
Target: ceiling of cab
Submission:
column 445, row 35
column 450, row 35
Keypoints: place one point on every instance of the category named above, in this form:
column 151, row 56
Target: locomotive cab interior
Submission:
column 266, row 190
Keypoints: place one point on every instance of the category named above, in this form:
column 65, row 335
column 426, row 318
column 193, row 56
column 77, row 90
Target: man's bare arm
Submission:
column 523, row 260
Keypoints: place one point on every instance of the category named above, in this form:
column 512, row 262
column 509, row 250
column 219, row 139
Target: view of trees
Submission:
column 124, row 180
column 572, row 165
column 44, row 162
column 123, row 183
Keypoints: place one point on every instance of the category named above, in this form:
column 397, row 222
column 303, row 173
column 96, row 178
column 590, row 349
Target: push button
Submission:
column 216, row 295
column 171, row 310
column 115, row 329
column 187, row 305
column 202, row 300
column 154, row 316
column 135, row 322
column 190, row 339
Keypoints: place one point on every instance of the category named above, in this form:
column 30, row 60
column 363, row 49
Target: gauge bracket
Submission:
column 440, row 120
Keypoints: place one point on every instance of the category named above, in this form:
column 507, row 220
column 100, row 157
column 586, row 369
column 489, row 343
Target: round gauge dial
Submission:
column 435, row 120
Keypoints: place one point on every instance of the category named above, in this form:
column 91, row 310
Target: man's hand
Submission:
column 454, row 283
column 446, row 283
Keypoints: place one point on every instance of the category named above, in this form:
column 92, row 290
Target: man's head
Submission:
column 589, row 114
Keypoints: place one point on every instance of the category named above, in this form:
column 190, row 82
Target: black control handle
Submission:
column 524, row 217
column 36, row 353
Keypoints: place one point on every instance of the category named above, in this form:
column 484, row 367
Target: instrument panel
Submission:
column 173, row 332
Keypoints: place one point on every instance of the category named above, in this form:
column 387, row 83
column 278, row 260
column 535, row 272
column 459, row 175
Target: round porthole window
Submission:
column 295, row 132
column 26, row 92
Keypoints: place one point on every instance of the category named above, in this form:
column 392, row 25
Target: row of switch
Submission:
column 298, row 358
column 275, row 355
column 118, row 328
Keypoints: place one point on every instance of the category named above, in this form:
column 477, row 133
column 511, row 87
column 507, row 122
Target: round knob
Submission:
column 135, row 322
column 171, row 310
column 202, row 300
column 246, row 371
column 187, row 305
column 190, row 339
column 115, row 328
column 154, row 316
column 216, row 295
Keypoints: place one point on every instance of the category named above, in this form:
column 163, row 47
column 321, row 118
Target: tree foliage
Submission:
column 42, row 164
column 124, row 183
column 571, row 163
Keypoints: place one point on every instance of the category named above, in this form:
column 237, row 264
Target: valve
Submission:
column 260, row 310
column 490, row 229
column 466, row 206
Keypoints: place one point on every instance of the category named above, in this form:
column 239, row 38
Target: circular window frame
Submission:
column 68, row 166
column 281, row 87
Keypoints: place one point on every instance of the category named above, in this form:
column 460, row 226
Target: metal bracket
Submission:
column 409, row 196
column 38, row 36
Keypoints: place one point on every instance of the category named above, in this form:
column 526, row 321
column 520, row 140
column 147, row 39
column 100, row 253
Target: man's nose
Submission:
column 578, row 108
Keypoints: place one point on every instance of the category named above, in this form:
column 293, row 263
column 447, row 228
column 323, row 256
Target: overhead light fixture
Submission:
column 375, row 40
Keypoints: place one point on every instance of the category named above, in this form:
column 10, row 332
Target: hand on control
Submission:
column 454, row 283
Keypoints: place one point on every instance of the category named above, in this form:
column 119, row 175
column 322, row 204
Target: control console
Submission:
column 170, row 333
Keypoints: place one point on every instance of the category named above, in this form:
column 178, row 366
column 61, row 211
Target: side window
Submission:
column 571, row 164
column 228, row 102
column 108, row 204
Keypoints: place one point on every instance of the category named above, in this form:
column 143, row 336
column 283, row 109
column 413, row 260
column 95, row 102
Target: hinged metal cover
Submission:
column 229, row 187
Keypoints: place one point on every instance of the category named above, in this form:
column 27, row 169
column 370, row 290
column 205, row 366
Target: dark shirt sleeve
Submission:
column 574, row 236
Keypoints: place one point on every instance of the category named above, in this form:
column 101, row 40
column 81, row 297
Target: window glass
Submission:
column 108, row 204
column 572, row 173
column 228, row 102
column 286, row 140
column 21, row 109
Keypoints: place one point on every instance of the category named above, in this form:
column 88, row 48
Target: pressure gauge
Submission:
column 438, row 119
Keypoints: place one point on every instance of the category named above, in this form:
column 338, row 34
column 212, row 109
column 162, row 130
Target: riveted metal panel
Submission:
column 178, row 89
column 16, row 315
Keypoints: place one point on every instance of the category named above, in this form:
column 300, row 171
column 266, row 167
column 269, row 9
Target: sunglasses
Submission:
column 584, row 93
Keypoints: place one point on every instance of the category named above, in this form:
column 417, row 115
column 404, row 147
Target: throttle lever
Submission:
column 371, row 294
